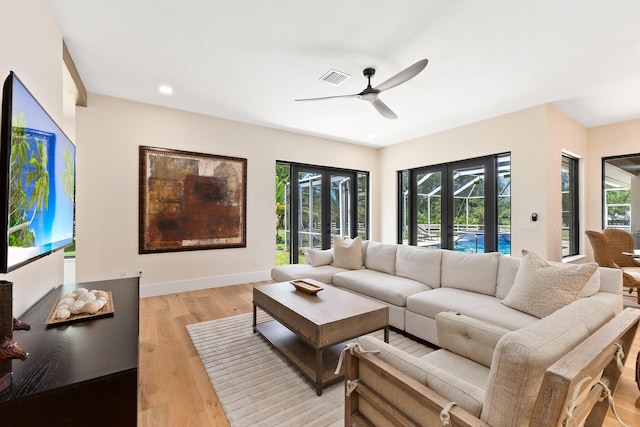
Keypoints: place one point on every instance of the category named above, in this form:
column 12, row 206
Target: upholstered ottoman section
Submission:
column 324, row 273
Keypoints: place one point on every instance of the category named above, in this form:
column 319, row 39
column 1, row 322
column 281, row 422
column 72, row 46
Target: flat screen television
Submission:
column 37, row 178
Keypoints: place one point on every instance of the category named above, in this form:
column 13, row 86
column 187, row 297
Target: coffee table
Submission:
column 308, row 329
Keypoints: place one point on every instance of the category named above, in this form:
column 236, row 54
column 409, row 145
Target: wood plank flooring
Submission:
column 174, row 388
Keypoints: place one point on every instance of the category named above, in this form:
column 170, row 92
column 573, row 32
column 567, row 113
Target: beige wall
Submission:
column 522, row 133
column 564, row 135
column 32, row 48
column 110, row 130
column 604, row 141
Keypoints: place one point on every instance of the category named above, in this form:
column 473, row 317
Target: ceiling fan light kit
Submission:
column 370, row 94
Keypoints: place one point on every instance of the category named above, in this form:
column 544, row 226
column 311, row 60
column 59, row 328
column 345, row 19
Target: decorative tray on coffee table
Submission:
column 306, row 287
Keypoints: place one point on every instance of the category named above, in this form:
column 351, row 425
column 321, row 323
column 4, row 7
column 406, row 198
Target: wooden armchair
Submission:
column 603, row 252
column 571, row 391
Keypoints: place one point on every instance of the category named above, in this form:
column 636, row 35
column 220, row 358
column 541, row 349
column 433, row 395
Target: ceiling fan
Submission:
column 371, row 94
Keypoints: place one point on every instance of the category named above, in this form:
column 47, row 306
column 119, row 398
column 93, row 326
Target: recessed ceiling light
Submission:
column 167, row 90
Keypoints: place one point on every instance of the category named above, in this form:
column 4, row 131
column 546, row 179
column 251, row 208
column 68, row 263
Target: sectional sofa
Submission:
column 418, row 283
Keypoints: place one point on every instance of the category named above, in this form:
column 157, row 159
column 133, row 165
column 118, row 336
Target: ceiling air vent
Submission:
column 334, row 77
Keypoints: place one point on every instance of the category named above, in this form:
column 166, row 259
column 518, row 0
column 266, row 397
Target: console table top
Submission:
column 66, row 354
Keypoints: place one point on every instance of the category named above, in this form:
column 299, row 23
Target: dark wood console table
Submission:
column 77, row 374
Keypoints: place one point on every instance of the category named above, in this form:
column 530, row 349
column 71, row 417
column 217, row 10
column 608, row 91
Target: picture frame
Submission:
column 190, row 201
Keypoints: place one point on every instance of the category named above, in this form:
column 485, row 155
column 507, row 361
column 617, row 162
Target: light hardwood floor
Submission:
column 174, row 388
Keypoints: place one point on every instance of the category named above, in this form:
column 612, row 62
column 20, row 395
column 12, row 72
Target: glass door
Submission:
column 455, row 205
column 324, row 203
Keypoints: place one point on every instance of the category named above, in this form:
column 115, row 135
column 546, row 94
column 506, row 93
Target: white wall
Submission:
column 110, row 131
column 32, row 48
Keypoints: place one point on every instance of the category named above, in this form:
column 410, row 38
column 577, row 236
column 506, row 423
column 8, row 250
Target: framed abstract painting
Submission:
column 191, row 201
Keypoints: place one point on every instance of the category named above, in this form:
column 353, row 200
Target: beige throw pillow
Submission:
column 540, row 288
column 318, row 257
column 347, row 253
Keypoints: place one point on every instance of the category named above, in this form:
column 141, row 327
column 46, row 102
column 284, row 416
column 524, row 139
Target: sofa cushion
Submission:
column 470, row 272
column 419, row 264
column 384, row 287
column 318, row 257
column 468, row 337
column 450, row 385
column 540, row 288
column 522, row 356
column 285, row 273
column 347, row 253
column 381, row 257
column 479, row 306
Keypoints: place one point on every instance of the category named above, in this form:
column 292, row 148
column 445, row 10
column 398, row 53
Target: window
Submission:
column 570, row 224
column 464, row 205
column 621, row 187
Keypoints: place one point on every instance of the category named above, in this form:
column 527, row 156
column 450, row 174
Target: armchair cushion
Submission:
column 466, row 394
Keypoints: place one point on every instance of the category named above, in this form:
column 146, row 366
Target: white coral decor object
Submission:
column 81, row 301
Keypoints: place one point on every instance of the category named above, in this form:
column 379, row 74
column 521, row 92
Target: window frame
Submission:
column 573, row 167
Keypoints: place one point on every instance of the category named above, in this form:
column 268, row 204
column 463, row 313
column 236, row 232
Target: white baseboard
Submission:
column 155, row 289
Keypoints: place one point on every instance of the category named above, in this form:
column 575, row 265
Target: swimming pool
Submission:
column 473, row 242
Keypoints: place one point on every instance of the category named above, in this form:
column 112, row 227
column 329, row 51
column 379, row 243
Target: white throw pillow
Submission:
column 318, row 257
column 541, row 288
column 347, row 253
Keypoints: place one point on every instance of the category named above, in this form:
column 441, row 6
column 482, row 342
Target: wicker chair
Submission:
column 603, row 252
column 622, row 241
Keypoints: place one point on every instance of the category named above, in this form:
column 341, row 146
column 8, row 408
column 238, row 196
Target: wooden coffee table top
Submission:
column 329, row 305
column 328, row 317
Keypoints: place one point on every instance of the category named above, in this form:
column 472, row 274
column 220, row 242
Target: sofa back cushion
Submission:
column 507, row 270
column 419, row 264
column 381, row 257
column 470, row 272
column 521, row 357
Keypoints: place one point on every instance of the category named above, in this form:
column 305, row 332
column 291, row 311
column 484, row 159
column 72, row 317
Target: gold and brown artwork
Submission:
column 191, row 201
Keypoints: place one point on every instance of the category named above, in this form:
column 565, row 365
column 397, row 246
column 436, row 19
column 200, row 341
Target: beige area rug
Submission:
column 256, row 387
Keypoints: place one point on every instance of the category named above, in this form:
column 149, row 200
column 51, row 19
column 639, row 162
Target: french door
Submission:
column 455, row 205
column 324, row 203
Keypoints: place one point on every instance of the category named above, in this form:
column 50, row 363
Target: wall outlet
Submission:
column 140, row 273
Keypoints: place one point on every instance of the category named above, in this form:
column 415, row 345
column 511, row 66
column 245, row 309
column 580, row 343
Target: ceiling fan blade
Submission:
column 383, row 109
column 328, row 97
column 404, row 75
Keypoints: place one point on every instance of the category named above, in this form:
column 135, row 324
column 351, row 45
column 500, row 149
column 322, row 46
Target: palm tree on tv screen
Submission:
column 37, row 174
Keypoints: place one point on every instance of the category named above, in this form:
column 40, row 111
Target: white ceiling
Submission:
column 247, row 60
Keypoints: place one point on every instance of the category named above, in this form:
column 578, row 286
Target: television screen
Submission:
column 38, row 179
